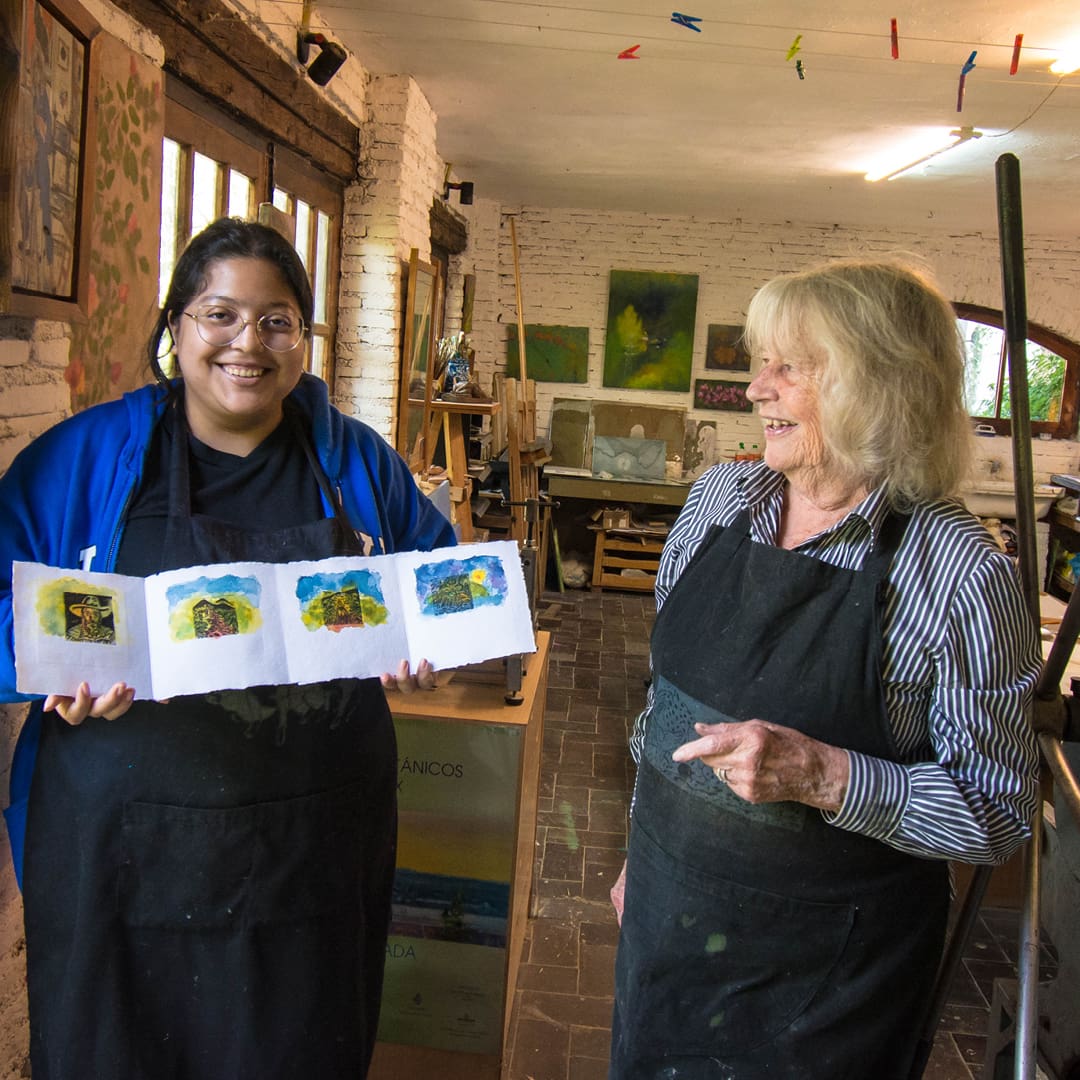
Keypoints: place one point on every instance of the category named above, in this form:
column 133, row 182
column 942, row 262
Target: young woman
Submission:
column 207, row 880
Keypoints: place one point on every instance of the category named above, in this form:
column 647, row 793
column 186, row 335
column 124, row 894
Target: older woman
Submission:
column 841, row 666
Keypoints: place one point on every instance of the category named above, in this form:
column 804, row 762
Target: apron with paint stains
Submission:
column 207, row 881
column 759, row 941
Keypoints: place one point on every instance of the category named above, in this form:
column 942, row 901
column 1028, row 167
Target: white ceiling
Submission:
column 536, row 109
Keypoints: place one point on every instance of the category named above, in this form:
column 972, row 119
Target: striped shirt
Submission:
column 960, row 662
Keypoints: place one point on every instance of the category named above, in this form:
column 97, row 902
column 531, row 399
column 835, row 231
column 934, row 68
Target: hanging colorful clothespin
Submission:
column 794, row 47
column 969, row 66
column 1016, row 54
column 895, row 35
column 688, row 21
column 799, row 69
column 630, row 54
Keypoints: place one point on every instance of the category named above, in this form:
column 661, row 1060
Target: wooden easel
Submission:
column 450, row 416
column 525, row 454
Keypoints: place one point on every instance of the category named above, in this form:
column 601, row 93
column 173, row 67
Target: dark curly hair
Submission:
column 226, row 238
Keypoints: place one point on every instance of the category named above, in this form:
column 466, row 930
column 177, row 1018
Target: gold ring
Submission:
column 721, row 774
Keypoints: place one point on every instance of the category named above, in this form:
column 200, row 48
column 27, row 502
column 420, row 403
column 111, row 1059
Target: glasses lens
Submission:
column 280, row 332
column 218, row 325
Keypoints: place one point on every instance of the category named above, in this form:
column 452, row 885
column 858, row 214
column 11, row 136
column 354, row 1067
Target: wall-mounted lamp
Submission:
column 331, row 56
column 465, row 188
column 959, row 136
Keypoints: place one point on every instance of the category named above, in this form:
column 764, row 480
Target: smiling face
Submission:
column 787, row 396
column 233, row 393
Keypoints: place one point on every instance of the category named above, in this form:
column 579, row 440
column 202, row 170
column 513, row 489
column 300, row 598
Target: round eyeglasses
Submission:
column 279, row 331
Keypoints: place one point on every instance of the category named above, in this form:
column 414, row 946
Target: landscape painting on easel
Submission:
column 552, row 353
column 650, row 330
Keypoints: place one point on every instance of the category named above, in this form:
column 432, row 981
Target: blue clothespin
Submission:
column 799, row 68
column 686, row 20
column 969, row 66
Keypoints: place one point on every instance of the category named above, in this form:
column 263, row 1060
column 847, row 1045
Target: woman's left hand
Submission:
column 763, row 762
column 406, row 682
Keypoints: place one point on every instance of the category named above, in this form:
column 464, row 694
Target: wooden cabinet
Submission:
column 468, row 770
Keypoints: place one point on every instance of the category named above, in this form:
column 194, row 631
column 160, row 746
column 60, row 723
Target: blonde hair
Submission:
column 891, row 371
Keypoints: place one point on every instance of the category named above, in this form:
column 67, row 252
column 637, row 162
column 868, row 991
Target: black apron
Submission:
column 207, row 881
column 759, row 941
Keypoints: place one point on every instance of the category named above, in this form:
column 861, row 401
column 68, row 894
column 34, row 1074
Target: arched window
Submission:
column 1053, row 372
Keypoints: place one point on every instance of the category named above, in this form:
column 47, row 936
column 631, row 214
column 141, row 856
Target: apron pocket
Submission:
column 272, row 862
column 713, row 967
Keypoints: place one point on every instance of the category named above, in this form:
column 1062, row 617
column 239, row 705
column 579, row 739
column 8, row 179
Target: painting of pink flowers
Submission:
column 722, row 395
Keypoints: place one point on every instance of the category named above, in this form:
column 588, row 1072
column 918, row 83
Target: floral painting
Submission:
column 650, row 330
column 721, row 394
column 725, row 350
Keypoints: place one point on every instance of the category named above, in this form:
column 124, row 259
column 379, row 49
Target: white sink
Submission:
column 997, row 498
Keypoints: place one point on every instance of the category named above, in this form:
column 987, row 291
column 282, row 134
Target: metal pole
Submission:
column 1011, row 234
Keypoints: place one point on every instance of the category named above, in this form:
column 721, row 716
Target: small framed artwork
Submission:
column 54, row 139
column 552, row 353
column 721, row 394
column 725, row 350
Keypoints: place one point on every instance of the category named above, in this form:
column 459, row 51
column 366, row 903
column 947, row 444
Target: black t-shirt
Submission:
column 272, row 488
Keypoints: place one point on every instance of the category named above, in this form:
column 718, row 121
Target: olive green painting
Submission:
column 552, row 353
column 650, row 330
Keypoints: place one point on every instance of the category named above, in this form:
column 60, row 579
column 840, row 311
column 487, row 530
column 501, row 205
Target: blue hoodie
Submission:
column 63, row 502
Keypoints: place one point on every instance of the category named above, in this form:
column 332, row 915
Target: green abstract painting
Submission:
column 650, row 330
column 552, row 353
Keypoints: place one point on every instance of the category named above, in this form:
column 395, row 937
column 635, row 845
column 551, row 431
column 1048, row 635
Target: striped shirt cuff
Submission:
column 876, row 798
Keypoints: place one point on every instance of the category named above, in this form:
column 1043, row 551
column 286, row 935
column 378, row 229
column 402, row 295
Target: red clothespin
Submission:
column 630, row 54
column 895, row 35
column 1016, row 54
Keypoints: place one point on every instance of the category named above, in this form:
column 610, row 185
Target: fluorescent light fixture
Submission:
column 958, row 137
column 1066, row 64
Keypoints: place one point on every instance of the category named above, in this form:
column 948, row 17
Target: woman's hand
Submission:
column 406, row 682
column 763, row 762
column 618, row 893
column 112, row 704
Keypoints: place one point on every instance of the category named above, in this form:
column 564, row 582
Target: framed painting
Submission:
column 722, row 394
column 553, row 353
column 650, row 330
column 725, row 350
column 699, row 448
column 54, row 140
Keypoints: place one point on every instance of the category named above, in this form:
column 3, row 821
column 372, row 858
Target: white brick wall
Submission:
column 33, row 394
column 384, row 219
column 566, row 256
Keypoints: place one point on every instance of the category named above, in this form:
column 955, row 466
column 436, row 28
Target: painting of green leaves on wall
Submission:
column 650, row 330
column 552, row 353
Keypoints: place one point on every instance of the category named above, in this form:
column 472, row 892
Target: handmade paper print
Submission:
column 460, row 585
column 208, row 628
column 650, row 330
column 73, row 627
column 723, row 395
column 213, row 607
column 336, row 602
column 725, row 349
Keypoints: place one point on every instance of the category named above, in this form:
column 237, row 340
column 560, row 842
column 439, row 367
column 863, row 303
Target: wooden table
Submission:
column 573, row 484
